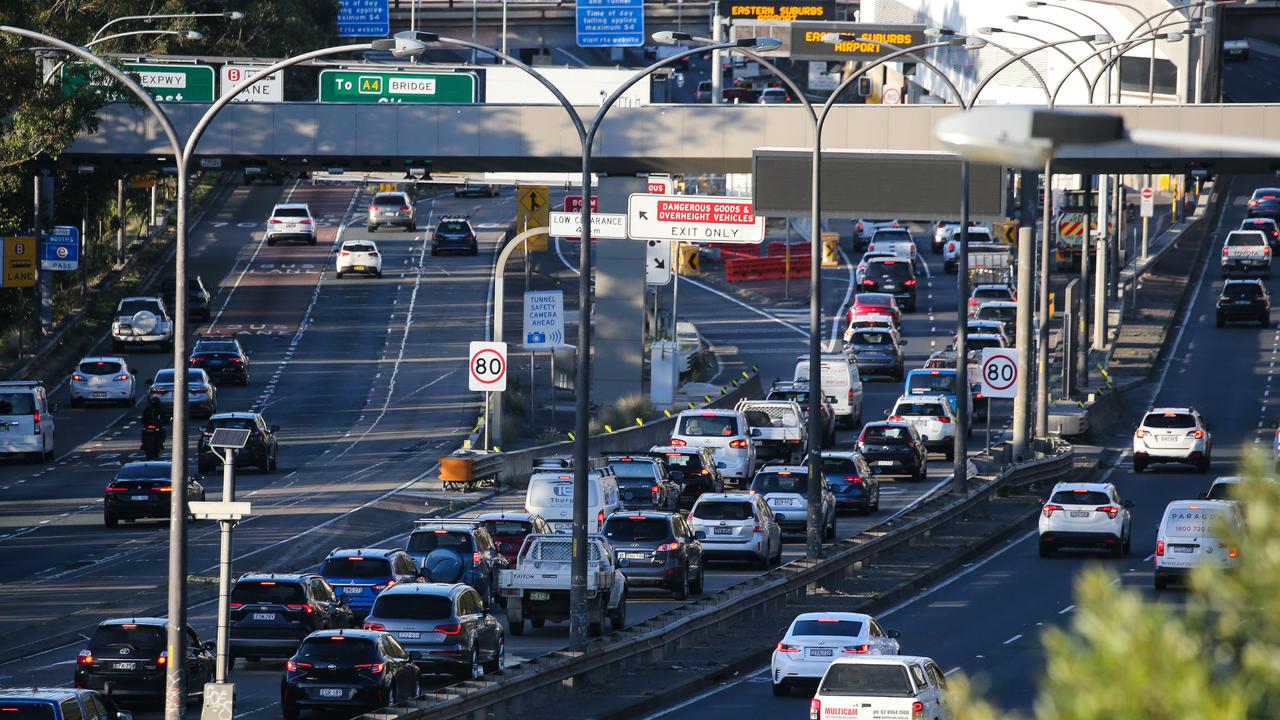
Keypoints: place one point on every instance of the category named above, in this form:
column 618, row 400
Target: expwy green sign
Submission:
column 166, row 82
column 364, row 86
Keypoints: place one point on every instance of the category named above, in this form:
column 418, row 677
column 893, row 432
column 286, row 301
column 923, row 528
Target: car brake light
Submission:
column 384, row 586
column 868, row 282
column 373, row 668
column 373, row 253
column 855, row 479
column 737, row 443
column 122, row 376
column 35, row 420
column 305, row 607
column 85, row 658
column 1140, row 433
column 859, row 227
column 77, row 377
column 236, row 361
column 1160, row 548
column 294, row 665
column 815, row 709
column 305, row 221
column 451, row 629
column 163, row 659
column 344, row 253
column 895, row 418
column 917, row 710
column 115, row 488
column 405, row 208
column 235, row 606
column 943, row 419
column 910, row 282
column 1197, row 434
column 477, row 558
column 895, row 224
column 973, row 302
column 1232, row 553
column 273, row 221
column 783, row 647
column 951, row 247
column 600, row 517
column 1048, row 509
column 1110, row 510
column 373, row 626
column 162, row 488
column 1252, row 203
column 856, row 649
column 677, row 442
column 668, row 547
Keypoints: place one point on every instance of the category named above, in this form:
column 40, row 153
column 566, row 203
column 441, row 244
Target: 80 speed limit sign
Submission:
column 487, row 367
column 999, row 371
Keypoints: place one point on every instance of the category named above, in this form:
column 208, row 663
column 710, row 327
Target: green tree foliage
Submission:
column 1212, row 657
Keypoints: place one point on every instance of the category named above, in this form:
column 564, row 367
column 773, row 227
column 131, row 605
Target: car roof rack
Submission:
column 564, row 462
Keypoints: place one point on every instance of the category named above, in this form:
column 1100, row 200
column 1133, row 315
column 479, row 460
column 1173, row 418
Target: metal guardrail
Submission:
column 728, row 606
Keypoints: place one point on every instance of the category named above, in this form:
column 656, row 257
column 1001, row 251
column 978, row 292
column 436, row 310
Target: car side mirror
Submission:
column 892, row 634
column 133, row 371
column 755, row 432
column 1128, row 504
column 275, row 428
column 902, row 343
column 886, row 413
column 699, row 534
column 831, row 399
column 783, row 630
column 123, row 714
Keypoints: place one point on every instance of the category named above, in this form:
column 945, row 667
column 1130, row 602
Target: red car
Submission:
column 875, row 304
column 508, row 530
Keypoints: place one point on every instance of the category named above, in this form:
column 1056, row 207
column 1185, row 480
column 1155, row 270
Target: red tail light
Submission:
column 197, row 360
column 737, row 443
column 895, row 418
column 895, row 224
column 868, row 282
column 855, row 479
column 85, row 658
column 373, row 626
column 344, row 253
column 163, row 659
column 1224, row 250
column 303, row 607
column 1197, row 434
column 973, row 302
column 951, row 247
column 294, row 665
column 451, row 629
column 115, row 488
column 1160, row 548
column 856, row 650
column 910, row 282
column 373, row 253
column 1048, row 509
column 235, row 606
column 1233, row 553
column 373, row 668
column 1110, row 510
column 677, row 442
column 405, row 208
column 859, row 227
column 815, row 709
column 600, row 518
column 122, row 376
column 274, row 221
column 1140, row 433
column 943, row 419
column 668, row 547
column 305, row 221
column 35, row 419
column 850, row 393
column 236, row 361
column 917, row 710
column 77, row 377
column 384, row 586
column 477, row 558
column 783, row 647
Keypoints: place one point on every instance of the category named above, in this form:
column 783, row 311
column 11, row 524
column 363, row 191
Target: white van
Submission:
column 840, row 380
column 726, row 433
column 550, row 493
column 26, row 422
column 881, row 687
column 1188, row 536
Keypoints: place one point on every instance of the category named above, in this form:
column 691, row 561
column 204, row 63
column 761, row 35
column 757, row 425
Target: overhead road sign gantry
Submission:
column 694, row 219
column 358, row 85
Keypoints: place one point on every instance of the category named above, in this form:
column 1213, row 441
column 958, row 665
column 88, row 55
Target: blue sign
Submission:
column 364, row 18
column 610, row 23
column 60, row 248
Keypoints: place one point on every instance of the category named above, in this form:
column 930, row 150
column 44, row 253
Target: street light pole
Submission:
column 229, row 15
column 224, row 562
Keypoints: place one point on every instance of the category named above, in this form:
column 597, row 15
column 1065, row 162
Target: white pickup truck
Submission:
column 777, row 428
column 881, row 687
column 538, row 589
column 1246, row 251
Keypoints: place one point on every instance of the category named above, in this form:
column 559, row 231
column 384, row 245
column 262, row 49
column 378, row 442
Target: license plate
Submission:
column 124, row 666
column 264, row 616
column 352, row 590
column 409, row 635
column 722, row 531
column 1080, row 513
column 331, row 692
column 884, row 463
column 1168, row 438
column 389, row 213
column 820, row 652
column 634, row 556
column 215, row 362
column 99, row 394
column 537, row 595
column 139, row 497
column 359, row 267
column 1183, row 549
column 783, row 502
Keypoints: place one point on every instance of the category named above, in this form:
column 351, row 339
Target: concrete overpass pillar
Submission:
column 618, row 322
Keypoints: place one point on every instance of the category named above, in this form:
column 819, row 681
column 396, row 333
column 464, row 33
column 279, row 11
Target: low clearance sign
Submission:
column 867, row 42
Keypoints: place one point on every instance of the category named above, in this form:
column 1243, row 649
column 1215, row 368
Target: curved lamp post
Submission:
column 229, row 15
column 184, row 34
column 1044, row 43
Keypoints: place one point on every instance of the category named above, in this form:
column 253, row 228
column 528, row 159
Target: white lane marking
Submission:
column 931, row 590
column 707, row 693
column 1015, row 638
column 248, row 263
column 848, row 294
column 1066, row 609
column 952, row 671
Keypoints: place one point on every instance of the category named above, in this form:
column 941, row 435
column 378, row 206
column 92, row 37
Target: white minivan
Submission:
column 728, row 436
column 26, row 422
column 881, row 686
column 550, row 493
column 1188, row 536
column 840, row 380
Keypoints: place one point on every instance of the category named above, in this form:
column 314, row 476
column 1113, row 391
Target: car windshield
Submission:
column 979, row 343
column 1242, row 291
column 839, row 466
column 1221, row 491
column 708, row 426
column 359, row 247
column 870, row 680
column 452, row 226
column 508, row 528
column 424, row 541
column 290, row 212
column 217, row 346
column 26, row 710
column 164, row 376
column 1246, row 239
column 19, row 403
column 139, row 637
column 722, row 510
column 767, row 482
column 914, row 408
column 413, row 607
column 682, row 462
column 130, row 307
column 389, row 199
column 145, row 471
column 337, row 650
column 867, row 337
column 268, row 591
column 1080, row 497
column 873, row 299
column 886, row 435
column 998, row 312
column 636, row 528
column 892, row 235
column 1169, row 420
column 827, row 626
column 991, row 294
column 358, row 568
column 631, row 469
column 889, row 270
column 235, row 423
column 931, row 383
column 100, row 367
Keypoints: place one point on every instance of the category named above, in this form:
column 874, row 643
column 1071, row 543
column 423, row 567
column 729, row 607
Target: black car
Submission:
column 142, row 490
column 270, row 614
column 130, row 655
column 198, row 299
column 261, row 450
column 1267, row 225
column 1265, row 202
column 894, row 276
column 444, row 628
column 221, row 357
column 894, row 448
column 457, row 551
column 694, row 469
column 1246, row 300
column 852, row 481
column 454, row 234
column 657, row 549
column 643, row 483
column 349, row 670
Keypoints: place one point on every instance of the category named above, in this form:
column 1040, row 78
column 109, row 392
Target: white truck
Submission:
column 777, row 429
column 1245, row 252
column 538, row 589
column 881, row 687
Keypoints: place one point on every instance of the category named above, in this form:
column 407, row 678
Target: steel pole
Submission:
column 959, row 466
column 224, row 563
column 1100, row 266
column 1026, row 241
column 581, row 426
column 1042, row 346
column 120, row 217
column 175, row 673
column 1082, row 318
column 717, row 35
column 813, row 526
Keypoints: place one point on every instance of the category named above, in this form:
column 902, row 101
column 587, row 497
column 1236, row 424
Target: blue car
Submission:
column 937, row 381
column 358, row 575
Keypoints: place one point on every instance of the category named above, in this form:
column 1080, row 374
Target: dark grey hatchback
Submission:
column 657, row 549
column 271, row 614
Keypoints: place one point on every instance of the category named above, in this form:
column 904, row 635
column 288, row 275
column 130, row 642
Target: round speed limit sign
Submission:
column 999, row 371
column 487, row 367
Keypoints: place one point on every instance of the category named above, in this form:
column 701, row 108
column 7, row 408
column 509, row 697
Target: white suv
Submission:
column 1173, row 435
column 26, row 423
column 141, row 320
column 358, row 256
column 814, row 640
column 932, row 417
column 291, row 221
column 727, row 434
column 1090, row 515
column 734, row 526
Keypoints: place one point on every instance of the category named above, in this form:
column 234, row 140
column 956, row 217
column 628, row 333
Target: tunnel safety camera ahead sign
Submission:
column 693, row 219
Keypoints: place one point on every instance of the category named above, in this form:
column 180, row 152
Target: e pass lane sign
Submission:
column 487, row 367
column 999, row 372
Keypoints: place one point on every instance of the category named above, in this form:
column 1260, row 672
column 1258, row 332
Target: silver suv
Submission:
column 141, row 320
column 291, row 221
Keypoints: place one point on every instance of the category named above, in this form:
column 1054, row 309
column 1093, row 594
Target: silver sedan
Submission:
column 202, row 396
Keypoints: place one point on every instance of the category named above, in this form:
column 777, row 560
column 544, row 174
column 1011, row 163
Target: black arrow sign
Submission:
column 642, row 214
column 658, row 264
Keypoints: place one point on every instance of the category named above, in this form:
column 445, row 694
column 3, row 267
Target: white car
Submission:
column 1223, row 488
column 988, row 327
column 933, row 419
column 867, row 256
column 814, row 640
column 102, row 379
column 989, row 292
column 785, row 489
column 1004, row 312
column 358, row 256
column 1172, row 435
column 726, row 433
column 879, row 323
column 1188, row 536
column 864, row 230
column 895, row 240
column 141, row 320
column 951, row 246
column 1091, row 515
column 736, row 526
column 291, row 221
column 26, row 420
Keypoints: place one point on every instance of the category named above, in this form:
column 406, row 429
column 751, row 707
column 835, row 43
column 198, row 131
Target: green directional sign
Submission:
column 167, row 82
column 377, row 86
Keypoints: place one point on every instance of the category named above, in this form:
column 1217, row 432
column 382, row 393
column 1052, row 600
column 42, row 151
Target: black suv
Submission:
column 221, row 357
column 457, row 551
column 894, row 448
column 657, row 549
column 694, row 469
column 894, row 276
column 1246, row 300
column 198, row 299
column 456, row 234
column 356, row 670
column 1267, row 225
column 262, row 450
column 643, row 483
column 1265, row 202
column 271, row 614
column 130, row 654
column 142, row 490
